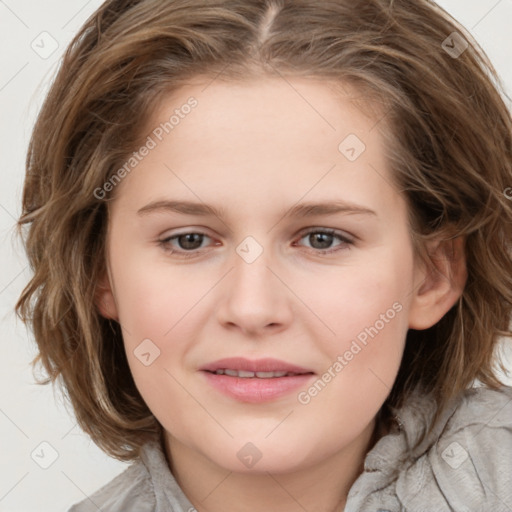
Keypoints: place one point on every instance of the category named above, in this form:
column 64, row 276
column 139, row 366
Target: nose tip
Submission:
column 254, row 299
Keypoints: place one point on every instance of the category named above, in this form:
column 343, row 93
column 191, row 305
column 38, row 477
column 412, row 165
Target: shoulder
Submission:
column 130, row 490
column 466, row 464
column 146, row 486
column 490, row 409
column 472, row 456
column 463, row 465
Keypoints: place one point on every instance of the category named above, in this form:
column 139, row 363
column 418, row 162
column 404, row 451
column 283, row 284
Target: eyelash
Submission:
column 188, row 254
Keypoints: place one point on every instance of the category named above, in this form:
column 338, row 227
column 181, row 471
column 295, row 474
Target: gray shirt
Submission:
column 464, row 465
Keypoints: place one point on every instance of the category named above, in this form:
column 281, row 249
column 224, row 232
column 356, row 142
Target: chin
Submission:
column 263, row 457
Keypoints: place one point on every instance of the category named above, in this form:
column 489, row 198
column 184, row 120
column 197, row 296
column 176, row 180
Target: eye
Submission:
column 188, row 244
column 321, row 239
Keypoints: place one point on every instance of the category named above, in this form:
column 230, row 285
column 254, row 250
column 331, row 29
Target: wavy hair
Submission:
column 449, row 146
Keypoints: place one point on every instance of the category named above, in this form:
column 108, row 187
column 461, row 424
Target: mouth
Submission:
column 243, row 374
column 267, row 368
column 255, row 381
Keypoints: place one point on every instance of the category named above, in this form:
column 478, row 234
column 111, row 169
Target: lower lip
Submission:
column 255, row 390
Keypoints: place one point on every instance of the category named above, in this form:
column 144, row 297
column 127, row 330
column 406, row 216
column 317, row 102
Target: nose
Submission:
column 254, row 298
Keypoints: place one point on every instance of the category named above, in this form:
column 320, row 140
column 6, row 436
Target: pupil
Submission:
column 189, row 240
column 325, row 243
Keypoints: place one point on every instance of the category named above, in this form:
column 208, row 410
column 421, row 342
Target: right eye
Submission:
column 186, row 244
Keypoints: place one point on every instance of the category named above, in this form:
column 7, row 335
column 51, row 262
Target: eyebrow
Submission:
column 301, row 210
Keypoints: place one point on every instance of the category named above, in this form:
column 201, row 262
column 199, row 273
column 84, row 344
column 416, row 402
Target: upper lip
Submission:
column 257, row 365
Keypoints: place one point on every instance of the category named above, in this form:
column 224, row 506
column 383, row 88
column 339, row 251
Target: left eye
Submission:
column 324, row 237
column 189, row 243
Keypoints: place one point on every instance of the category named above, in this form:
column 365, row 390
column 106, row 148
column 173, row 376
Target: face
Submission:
column 250, row 269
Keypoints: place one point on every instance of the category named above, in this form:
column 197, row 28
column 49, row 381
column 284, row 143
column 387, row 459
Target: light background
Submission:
column 31, row 414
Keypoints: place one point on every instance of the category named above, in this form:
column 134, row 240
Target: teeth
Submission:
column 269, row 375
column 248, row 375
column 244, row 374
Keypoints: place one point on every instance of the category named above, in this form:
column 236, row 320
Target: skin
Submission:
column 256, row 149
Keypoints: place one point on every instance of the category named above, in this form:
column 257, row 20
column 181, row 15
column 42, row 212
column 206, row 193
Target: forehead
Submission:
column 278, row 107
column 265, row 139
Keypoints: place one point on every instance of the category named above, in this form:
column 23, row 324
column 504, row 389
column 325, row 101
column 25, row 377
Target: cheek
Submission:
column 159, row 306
column 361, row 303
column 361, row 363
column 366, row 311
column 157, row 300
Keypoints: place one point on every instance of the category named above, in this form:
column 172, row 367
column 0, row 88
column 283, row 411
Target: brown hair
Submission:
column 451, row 154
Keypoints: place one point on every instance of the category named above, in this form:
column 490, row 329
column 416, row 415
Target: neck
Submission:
column 322, row 487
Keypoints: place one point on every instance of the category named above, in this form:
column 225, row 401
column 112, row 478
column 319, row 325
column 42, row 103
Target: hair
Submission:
column 450, row 153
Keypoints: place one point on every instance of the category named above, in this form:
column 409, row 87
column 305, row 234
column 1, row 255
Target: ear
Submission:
column 104, row 297
column 438, row 287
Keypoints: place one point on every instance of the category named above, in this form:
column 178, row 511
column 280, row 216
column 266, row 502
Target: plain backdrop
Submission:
column 46, row 462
